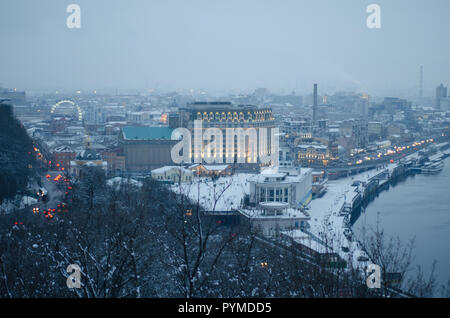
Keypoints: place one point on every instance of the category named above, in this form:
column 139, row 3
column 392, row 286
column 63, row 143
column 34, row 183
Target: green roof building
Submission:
column 147, row 133
column 146, row 148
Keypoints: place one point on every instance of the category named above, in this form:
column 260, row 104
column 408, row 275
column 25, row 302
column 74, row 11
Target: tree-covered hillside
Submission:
column 17, row 162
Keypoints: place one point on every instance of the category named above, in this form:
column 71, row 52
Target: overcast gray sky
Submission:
column 225, row 45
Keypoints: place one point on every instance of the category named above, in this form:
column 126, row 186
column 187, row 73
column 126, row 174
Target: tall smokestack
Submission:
column 315, row 104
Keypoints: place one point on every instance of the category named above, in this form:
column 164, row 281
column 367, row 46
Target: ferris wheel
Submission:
column 65, row 102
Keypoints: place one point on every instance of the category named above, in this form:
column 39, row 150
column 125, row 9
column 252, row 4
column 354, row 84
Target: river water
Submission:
column 417, row 207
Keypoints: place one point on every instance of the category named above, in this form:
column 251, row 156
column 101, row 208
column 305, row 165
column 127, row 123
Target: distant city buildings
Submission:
column 441, row 93
column 124, row 130
column 445, row 104
column 357, row 130
column 15, row 97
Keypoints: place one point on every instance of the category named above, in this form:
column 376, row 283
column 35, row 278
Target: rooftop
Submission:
column 201, row 106
column 63, row 149
column 215, row 167
column 88, row 154
column 315, row 146
column 147, row 133
column 274, row 174
column 284, row 213
column 168, row 168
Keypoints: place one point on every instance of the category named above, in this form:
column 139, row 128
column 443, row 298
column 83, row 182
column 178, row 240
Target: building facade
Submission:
column 293, row 187
column 146, row 148
column 313, row 154
column 272, row 218
column 173, row 174
column 441, row 93
column 62, row 156
column 115, row 160
column 225, row 115
column 87, row 158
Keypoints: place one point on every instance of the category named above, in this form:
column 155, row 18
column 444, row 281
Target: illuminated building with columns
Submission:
column 314, row 154
column 225, row 115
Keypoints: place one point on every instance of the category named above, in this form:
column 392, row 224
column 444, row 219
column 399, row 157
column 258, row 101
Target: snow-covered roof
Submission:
column 88, row 154
column 147, row 133
column 63, row 149
column 269, row 170
column 215, row 167
column 93, row 163
column 275, row 175
column 168, row 168
column 306, row 146
column 288, row 213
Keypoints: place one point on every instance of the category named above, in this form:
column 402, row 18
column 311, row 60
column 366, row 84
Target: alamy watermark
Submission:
column 374, row 276
column 252, row 145
column 74, row 279
column 373, row 21
column 73, row 21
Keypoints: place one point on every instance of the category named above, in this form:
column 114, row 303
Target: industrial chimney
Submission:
column 315, row 104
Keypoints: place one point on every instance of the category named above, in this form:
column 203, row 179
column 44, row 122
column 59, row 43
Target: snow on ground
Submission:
column 7, row 206
column 306, row 240
column 324, row 212
column 118, row 181
column 17, row 203
column 27, row 201
column 223, row 194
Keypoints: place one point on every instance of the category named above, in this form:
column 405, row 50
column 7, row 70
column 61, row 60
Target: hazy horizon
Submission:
column 225, row 46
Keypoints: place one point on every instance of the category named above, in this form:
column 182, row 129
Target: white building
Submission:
column 272, row 218
column 173, row 174
column 211, row 170
column 292, row 186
